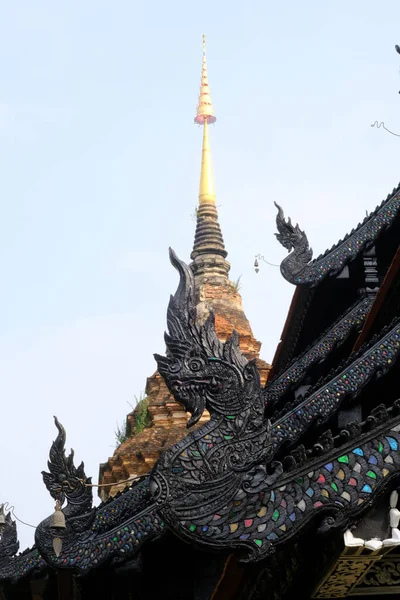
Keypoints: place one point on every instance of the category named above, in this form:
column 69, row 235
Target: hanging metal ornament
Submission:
column 58, row 518
column 58, row 522
column 57, row 546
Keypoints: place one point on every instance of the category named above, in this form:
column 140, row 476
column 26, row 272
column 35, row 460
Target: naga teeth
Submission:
column 192, row 387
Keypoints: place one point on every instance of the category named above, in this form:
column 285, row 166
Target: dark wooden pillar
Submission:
column 230, row 580
column 38, row 588
column 65, row 585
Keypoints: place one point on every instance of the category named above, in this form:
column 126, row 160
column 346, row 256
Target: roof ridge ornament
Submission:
column 89, row 535
column 295, row 241
column 299, row 269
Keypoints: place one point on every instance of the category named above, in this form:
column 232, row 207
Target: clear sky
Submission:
column 100, row 164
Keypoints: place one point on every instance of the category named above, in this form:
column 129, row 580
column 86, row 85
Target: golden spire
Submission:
column 204, row 116
column 209, row 252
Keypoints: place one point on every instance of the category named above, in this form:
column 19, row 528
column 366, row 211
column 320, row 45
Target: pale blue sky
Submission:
column 99, row 175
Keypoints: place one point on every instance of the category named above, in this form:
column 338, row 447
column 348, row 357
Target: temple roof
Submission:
column 334, row 278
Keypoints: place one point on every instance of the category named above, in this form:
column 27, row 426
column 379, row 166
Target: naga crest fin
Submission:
column 289, row 235
column 186, row 333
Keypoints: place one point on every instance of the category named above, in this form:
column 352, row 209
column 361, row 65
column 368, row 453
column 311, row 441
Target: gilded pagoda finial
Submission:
column 209, row 250
column 205, row 108
column 204, row 116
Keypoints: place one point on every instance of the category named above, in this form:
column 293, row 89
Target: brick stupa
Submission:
column 167, row 419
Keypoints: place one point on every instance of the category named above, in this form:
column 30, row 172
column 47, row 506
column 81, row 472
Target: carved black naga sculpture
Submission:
column 116, row 529
column 222, row 486
column 299, row 269
column 296, row 243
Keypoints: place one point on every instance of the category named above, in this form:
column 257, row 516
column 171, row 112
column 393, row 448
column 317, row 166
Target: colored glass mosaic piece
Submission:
column 301, row 505
column 392, row 443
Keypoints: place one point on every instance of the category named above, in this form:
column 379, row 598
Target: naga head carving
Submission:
column 201, row 371
column 291, row 236
column 65, row 481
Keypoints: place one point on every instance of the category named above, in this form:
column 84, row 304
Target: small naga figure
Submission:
column 299, row 269
column 295, row 241
column 242, row 480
